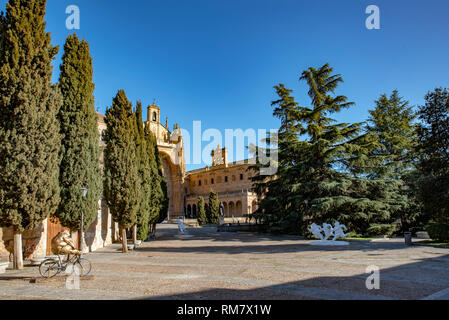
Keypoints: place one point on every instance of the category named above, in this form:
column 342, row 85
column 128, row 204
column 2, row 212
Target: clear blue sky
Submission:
column 217, row 61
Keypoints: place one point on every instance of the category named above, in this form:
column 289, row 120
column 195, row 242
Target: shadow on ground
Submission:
column 426, row 279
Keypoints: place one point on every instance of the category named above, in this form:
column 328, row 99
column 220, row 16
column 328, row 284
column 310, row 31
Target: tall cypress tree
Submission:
column 29, row 128
column 201, row 215
column 159, row 192
column 121, row 171
column 213, row 214
column 80, row 166
column 145, row 159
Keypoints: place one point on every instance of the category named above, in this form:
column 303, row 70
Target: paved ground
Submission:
column 213, row 265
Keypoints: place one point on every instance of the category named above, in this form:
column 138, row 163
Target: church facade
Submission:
column 232, row 181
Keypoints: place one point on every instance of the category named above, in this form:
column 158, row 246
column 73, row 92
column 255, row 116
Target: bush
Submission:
column 201, row 215
column 381, row 230
column 438, row 232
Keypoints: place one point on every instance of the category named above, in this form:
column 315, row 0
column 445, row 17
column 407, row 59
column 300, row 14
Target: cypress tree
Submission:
column 201, row 214
column 145, row 176
column 159, row 193
column 213, row 208
column 121, row 174
column 80, row 166
column 29, row 128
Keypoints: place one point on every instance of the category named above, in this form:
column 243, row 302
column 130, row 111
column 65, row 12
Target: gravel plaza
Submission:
column 239, row 266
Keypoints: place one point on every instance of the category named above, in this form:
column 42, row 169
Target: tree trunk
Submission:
column 124, row 240
column 135, row 234
column 153, row 230
column 18, row 254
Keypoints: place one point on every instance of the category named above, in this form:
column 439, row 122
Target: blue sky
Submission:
column 217, row 61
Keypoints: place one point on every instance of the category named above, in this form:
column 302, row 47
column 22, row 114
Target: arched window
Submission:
column 194, row 211
column 154, row 117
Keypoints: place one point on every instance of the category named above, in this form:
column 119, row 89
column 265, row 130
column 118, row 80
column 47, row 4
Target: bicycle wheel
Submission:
column 84, row 267
column 49, row 268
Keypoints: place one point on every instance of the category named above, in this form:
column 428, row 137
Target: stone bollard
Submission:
column 408, row 238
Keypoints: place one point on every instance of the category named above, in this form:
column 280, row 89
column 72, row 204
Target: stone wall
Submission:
column 231, row 181
column 100, row 233
column 34, row 241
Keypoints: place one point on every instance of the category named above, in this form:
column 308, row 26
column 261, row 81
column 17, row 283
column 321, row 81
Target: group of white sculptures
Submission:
column 326, row 232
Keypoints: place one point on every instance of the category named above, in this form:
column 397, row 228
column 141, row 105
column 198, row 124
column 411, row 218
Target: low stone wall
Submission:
column 100, row 234
column 34, row 242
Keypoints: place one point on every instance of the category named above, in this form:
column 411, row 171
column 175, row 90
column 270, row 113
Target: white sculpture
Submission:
column 336, row 232
column 181, row 227
column 182, row 232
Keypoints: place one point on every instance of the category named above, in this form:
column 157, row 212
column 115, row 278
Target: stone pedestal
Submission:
column 3, row 267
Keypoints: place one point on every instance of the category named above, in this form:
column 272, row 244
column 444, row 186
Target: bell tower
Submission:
column 154, row 113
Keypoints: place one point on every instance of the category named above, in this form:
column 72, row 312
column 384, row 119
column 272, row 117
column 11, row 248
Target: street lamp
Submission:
column 85, row 190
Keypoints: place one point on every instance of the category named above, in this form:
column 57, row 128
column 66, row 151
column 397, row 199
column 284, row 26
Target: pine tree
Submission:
column 80, row 166
column 212, row 212
column 433, row 147
column 29, row 128
column 319, row 164
column 121, row 175
column 392, row 123
column 201, row 214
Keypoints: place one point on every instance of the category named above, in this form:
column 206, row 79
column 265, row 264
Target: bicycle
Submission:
column 52, row 266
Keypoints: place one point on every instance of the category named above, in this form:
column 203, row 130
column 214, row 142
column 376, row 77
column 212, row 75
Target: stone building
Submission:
column 232, row 182
column 171, row 149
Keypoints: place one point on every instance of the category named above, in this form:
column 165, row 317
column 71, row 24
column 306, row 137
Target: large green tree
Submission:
column 121, row 169
column 80, row 166
column 392, row 122
column 201, row 215
column 319, row 178
column 213, row 214
column 433, row 147
column 29, row 127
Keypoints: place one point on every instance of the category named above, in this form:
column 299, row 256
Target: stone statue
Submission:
column 63, row 244
column 328, row 231
column 221, row 209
